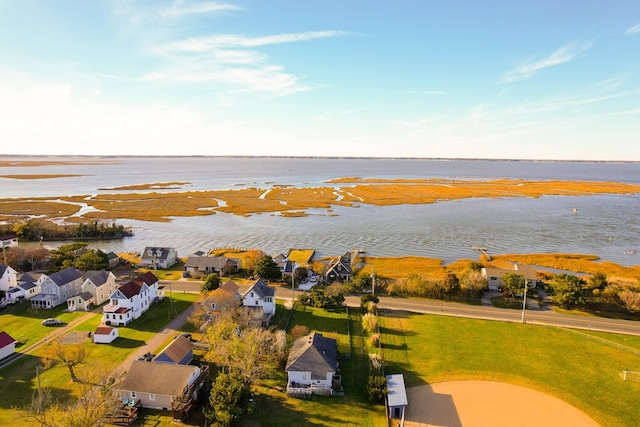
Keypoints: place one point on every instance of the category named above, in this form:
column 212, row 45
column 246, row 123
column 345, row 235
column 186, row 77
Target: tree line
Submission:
column 42, row 230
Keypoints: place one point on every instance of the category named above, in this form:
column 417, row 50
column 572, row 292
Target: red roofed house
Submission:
column 131, row 300
column 105, row 334
column 7, row 345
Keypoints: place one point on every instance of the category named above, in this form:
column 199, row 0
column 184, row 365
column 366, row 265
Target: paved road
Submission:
column 540, row 317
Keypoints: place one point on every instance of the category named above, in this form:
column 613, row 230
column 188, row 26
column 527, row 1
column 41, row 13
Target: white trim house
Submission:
column 131, row 300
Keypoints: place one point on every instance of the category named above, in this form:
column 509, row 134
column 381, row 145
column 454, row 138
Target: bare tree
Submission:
column 71, row 355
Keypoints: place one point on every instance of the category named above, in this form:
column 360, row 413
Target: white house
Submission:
column 9, row 241
column 8, row 277
column 262, row 297
column 160, row 257
column 131, row 300
column 105, row 334
column 312, row 365
column 7, row 345
column 101, row 284
column 162, row 386
column 494, row 275
column 31, row 284
column 57, row 288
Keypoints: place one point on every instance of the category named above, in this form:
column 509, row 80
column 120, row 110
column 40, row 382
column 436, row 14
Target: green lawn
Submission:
column 570, row 366
column 275, row 408
column 18, row 380
column 23, row 323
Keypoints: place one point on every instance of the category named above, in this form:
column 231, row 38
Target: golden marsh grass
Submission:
column 294, row 202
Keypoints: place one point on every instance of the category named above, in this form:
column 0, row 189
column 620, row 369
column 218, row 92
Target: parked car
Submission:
column 51, row 322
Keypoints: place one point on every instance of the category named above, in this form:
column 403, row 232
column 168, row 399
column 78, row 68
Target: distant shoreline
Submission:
column 194, row 156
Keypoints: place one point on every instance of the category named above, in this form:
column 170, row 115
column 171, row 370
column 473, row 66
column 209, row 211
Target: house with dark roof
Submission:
column 339, row 269
column 57, row 288
column 84, row 301
column 312, row 366
column 162, row 385
column 262, row 298
column 114, row 259
column 159, row 257
column 99, row 283
column 131, row 300
column 179, row 351
column 9, row 241
column 8, row 277
column 7, row 345
column 211, row 264
column 31, row 284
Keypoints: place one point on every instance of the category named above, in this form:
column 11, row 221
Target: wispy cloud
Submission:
column 633, row 30
column 180, row 9
column 534, row 64
column 203, row 44
column 233, row 62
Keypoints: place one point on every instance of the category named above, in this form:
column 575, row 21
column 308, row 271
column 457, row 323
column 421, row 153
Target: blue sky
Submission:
column 455, row 79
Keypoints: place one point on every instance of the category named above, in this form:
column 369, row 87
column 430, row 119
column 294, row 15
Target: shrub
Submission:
column 366, row 299
column 376, row 388
column 373, row 340
column 299, row 331
column 370, row 322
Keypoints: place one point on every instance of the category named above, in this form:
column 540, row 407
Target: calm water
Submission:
column 607, row 226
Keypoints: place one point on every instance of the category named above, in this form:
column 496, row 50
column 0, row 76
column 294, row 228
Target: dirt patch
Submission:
column 487, row 403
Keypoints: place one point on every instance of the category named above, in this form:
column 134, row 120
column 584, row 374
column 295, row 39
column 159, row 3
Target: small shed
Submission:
column 396, row 396
column 7, row 345
column 105, row 334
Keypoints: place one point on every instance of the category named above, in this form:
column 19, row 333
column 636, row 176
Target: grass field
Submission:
column 18, row 381
column 572, row 367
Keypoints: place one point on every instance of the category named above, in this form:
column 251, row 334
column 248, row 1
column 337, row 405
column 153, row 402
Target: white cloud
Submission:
column 633, row 30
column 179, row 9
column 532, row 65
column 222, row 41
column 72, row 122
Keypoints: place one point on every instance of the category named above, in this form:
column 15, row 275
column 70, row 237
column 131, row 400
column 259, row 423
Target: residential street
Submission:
column 540, row 317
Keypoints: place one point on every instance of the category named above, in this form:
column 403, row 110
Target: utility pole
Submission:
column 373, row 281
column 524, row 299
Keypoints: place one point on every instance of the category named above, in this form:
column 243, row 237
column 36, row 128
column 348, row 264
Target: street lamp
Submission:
column 524, row 299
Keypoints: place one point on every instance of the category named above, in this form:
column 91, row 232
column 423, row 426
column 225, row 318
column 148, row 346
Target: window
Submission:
column 304, row 377
column 132, row 394
column 152, row 396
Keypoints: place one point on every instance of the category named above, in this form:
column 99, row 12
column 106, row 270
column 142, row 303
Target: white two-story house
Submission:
column 57, row 288
column 131, row 300
column 262, row 297
column 8, row 277
column 31, row 284
column 159, row 257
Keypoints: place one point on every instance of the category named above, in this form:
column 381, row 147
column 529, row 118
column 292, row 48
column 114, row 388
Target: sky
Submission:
column 544, row 79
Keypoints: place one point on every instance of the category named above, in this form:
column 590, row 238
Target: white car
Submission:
column 51, row 322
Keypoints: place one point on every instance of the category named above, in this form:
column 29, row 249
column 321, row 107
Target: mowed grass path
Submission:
column 573, row 367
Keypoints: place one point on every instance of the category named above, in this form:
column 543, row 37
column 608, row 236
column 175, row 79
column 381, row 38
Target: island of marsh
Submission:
column 292, row 201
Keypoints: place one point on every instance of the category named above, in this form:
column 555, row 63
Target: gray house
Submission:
column 312, row 366
column 211, row 264
column 57, row 288
column 339, row 269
